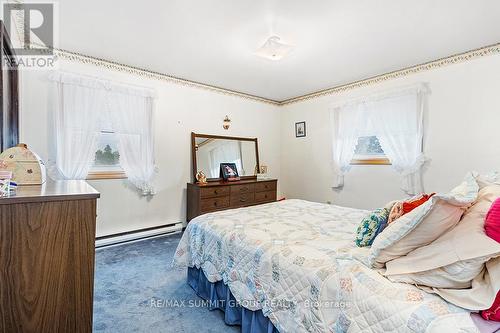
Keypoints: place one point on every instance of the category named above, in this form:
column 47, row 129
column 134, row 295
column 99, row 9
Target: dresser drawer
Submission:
column 219, row 196
column 240, row 189
column 265, row 186
column 268, row 196
column 238, row 200
column 211, row 204
column 217, row 191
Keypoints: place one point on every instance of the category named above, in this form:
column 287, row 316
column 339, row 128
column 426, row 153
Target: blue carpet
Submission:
column 136, row 290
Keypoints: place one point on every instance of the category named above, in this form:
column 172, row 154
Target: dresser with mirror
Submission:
column 208, row 152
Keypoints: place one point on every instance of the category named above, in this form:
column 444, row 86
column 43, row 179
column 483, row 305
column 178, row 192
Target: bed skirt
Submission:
column 220, row 297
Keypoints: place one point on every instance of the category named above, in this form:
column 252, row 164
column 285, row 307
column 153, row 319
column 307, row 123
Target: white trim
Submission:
column 369, row 157
column 138, row 236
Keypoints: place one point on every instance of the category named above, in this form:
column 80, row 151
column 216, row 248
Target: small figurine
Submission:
column 201, row 178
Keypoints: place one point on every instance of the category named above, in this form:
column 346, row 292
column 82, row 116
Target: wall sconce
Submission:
column 226, row 123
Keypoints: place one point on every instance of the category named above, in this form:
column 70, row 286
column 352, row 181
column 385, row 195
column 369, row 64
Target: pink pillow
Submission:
column 492, row 222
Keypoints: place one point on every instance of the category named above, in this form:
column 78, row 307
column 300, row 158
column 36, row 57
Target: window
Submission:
column 116, row 111
column 369, row 152
column 393, row 118
column 107, row 158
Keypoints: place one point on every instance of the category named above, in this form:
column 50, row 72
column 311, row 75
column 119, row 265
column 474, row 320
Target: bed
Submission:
column 297, row 263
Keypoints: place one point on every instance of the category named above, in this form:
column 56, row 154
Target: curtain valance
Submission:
column 99, row 83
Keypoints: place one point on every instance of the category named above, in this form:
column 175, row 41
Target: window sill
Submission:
column 101, row 175
column 376, row 161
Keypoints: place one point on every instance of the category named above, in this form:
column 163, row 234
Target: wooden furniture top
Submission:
column 238, row 182
column 52, row 191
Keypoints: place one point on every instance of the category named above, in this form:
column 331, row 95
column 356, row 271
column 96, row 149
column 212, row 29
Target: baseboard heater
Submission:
column 136, row 235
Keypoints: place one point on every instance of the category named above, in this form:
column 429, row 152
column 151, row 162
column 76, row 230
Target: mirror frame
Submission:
column 209, row 136
column 9, row 119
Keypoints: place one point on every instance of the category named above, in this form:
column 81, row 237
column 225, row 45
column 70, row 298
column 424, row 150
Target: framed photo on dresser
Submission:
column 229, row 172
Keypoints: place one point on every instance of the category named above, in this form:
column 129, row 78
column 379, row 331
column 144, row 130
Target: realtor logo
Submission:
column 32, row 28
column 32, row 25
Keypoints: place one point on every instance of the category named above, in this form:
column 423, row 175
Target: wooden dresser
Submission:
column 221, row 195
column 47, row 246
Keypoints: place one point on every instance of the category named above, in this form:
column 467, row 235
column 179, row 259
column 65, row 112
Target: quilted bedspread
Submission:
column 296, row 260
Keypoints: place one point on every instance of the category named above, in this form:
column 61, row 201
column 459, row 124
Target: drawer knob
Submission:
column 215, row 192
column 265, row 196
column 215, row 203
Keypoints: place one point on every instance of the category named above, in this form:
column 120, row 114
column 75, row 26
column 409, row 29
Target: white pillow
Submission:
column 456, row 258
column 483, row 180
column 424, row 224
column 458, row 275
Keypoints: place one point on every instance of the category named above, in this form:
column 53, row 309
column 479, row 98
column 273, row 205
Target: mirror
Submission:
column 209, row 151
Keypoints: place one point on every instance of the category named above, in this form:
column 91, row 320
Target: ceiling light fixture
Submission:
column 273, row 49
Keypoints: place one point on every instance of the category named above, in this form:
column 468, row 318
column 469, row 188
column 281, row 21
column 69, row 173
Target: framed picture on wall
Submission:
column 229, row 172
column 300, row 129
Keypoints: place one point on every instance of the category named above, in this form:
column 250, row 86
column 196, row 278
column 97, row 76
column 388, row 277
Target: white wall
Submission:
column 462, row 133
column 179, row 111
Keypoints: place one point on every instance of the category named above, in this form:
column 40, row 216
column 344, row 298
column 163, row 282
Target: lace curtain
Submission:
column 132, row 121
column 398, row 124
column 396, row 118
column 76, row 118
column 84, row 104
column 345, row 123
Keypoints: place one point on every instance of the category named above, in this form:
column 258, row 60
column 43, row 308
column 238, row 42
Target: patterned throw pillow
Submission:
column 371, row 226
column 396, row 212
column 404, row 207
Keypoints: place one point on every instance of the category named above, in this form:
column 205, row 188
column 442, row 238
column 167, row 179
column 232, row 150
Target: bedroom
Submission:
column 337, row 116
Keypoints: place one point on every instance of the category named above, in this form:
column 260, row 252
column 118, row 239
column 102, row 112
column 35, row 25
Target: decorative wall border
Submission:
column 442, row 62
column 450, row 60
column 112, row 65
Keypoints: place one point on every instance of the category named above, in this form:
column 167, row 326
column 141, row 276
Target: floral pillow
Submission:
column 371, row 226
column 404, row 207
column 396, row 212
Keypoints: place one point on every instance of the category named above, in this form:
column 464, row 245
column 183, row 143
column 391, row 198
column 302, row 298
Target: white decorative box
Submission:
column 26, row 166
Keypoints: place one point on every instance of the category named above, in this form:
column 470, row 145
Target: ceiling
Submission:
column 336, row 41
